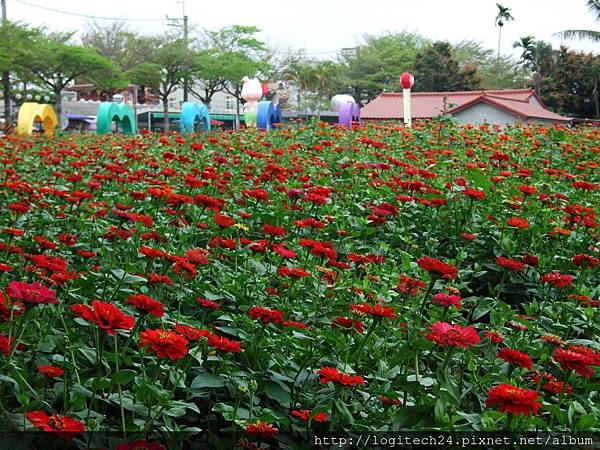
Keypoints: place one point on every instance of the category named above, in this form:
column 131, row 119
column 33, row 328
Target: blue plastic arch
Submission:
column 121, row 113
column 193, row 113
column 349, row 112
column 268, row 114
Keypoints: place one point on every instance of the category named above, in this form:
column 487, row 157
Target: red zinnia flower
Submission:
column 166, row 344
column 307, row 414
column 389, row 400
column 191, row 333
column 8, row 307
column 583, row 260
column 141, row 444
column 222, row 343
column 273, row 230
column 197, row 256
column 530, row 260
column 410, row 286
column 437, row 268
column 223, row 221
column 515, row 357
column 266, row 315
column 146, row 304
column 34, row 293
column 447, row 300
column 296, row 272
column 184, row 269
column 572, row 359
column 513, row 400
column 63, row 426
column 552, row 385
column 511, row 264
column 474, row 193
column 208, row 304
column 349, row 323
column 557, row 279
column 331, row 374
column 262, row 429
column 494, row 336
column 106, row 315
column 375, row 310
column 50, row 371
column 444, row 334
column 517, row 222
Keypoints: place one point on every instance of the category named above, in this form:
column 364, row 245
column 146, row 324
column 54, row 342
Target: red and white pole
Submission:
column 407, row 80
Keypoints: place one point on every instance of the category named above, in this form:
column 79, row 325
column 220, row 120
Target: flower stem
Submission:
column 123, row 429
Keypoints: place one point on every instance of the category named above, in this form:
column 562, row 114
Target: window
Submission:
column 228, row 102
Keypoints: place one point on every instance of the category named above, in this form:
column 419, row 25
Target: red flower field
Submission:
column 251, row 287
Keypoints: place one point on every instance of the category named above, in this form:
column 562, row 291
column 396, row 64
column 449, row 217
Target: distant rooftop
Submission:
column 520, row 102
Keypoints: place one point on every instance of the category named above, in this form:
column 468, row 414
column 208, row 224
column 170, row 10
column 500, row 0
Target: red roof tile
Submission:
column 430, row 104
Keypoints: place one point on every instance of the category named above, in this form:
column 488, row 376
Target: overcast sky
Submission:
column 322, row 27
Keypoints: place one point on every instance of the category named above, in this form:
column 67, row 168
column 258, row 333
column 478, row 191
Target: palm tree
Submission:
column 304, row 76
column 593, row 35
column 536, row 56
column 502, row 17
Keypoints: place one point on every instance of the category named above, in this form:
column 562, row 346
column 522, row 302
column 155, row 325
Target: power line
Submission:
column 122, row 19
column 88, row 16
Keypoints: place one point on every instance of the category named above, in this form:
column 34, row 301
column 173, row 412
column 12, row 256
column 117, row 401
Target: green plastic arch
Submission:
column 193, row 113
column 121, row 113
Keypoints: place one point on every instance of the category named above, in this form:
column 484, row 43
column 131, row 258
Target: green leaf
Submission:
column 484, row 306
column 479, row 180
column 124, row 376
column 8, row 379
column 134, row 279
column 279, row 394
column 207, row 380
column 586, row 422
column 118, row 273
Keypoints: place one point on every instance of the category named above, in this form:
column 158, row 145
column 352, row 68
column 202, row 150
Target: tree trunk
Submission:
column 237, row 108
column 58, row 105
column 7, row 105
column 597, row 106
column 166, row 115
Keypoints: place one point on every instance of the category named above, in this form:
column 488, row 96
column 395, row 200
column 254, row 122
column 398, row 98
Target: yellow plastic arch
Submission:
column 30, row 113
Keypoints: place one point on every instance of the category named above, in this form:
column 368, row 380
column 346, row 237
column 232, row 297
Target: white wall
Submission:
column 481, row 113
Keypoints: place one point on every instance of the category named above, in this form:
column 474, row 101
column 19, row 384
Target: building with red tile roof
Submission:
column 475, row 107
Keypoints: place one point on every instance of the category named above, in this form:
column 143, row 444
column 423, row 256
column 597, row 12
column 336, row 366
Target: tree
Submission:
column 593, row 35
column 376, row 65
column 117, row 43
column 208, row 75
column 12, row 37
column 436, row 69
column 164, row 71
column 537, row 58
column 227, row 56
column 316, row 81
column 571, row 85
column 502, row 17
column 52, row 62
column 494, row 73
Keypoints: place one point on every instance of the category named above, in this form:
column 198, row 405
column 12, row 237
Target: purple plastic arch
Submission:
column 349, row 112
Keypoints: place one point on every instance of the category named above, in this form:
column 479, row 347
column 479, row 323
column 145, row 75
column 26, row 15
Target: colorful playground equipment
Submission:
column 262, row 114
column 268, row 114
column 407, row 80
column 348, row 109
column 122, row 114
column 31, row 113
column 192, row 114
column 251, row 92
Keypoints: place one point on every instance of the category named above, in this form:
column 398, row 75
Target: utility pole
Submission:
column 184, row 22
column 185, row 42
column 6, row 82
